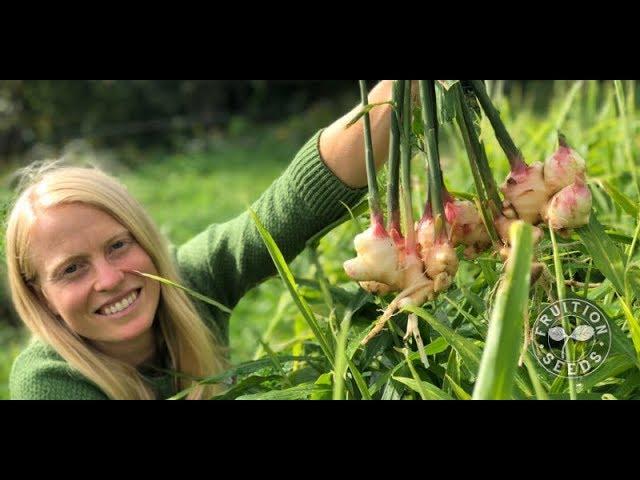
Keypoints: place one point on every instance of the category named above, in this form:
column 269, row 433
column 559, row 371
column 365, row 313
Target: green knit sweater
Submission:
column 223, row 262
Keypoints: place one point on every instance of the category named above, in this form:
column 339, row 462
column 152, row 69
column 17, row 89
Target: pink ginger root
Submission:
column 562, row 168
column 570, row 207
column 525, row 191
column 467, row 227
column 378, row 259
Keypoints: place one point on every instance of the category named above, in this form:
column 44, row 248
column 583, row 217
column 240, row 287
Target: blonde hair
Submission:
column 193, row 349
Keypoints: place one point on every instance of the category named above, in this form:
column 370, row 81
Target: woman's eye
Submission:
column 119, row 244
column 71, row 269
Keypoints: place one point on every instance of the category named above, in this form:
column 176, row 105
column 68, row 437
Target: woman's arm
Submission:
column 226, row 260
column 342, row 149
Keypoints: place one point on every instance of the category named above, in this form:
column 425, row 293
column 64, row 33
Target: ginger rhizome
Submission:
column 417, row 262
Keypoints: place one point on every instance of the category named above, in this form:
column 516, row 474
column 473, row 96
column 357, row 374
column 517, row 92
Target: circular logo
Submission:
column 571, row 338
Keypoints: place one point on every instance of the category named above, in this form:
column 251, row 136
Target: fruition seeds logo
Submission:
column 571, row 338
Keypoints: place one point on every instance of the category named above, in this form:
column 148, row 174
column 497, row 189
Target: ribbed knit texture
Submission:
column 223, row 262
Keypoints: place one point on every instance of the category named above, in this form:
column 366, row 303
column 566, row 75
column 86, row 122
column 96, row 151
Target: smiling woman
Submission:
column 87, row 279
column 76, row 240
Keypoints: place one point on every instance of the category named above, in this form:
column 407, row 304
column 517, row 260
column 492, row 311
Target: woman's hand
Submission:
column 342, row 149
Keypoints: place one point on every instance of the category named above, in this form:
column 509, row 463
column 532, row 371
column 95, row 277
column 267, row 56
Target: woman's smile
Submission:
column 122, row 306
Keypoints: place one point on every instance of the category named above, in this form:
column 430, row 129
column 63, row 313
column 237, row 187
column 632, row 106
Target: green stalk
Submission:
column 592, row 100
column 631, row 98
column 628, row 154
column 541, row 394
column 273, row 323
column 476, row 151
column 472, row 155
column 374, row 195
column 587, row 280
column 416, row 377
column 561, row 296
column 482, row 176
column 405, row 166
column 487, row 176
column 343, row 361
column 430, row 120
column 393, row 190
column 516, row 160
column 499, row 363
column 632, row 247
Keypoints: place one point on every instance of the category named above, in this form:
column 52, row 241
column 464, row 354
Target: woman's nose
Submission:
column 108, row 276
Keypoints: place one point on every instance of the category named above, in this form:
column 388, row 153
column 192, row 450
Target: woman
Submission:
column 76, row 240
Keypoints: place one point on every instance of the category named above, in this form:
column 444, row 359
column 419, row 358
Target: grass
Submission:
column 217, row 183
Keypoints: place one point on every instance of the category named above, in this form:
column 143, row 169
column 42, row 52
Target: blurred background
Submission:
column 208, row 146
column 144, row 113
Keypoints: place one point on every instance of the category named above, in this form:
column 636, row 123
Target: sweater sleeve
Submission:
column 38, row 373
column 227, row 260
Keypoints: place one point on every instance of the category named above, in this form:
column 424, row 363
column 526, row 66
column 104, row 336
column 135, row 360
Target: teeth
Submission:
column 121, row 305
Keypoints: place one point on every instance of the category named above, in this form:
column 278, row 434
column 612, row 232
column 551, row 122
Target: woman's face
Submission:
column 84, row 259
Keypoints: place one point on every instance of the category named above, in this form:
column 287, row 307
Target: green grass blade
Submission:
column 541, row 394
column 324, row 380
column 457, row 389
column 431, row 392
column 620, row 344
column 632, row 248
column 437, row 346
column 288, row 279
column 504, row 339
column 617, row 236
column 246, row 384
column 612, row 367
column 359, row 379
column 476, row 322
column 634, row 326
column 488, row 271
column 245, row 368
column 365, row 110
column 621, row 199
column 473, row 299
column 631, row 382
column 193, row 293
column 446, row 103
column 632, row 279
column 628, row 137
column 558, row 385
column 274, row 360
column 299, row 392
column 417, row 381
column 343, row 359
column 281, row 307
column 561, row 288
column 352, row 213
column 452, row 371
column 468, row 351
column 607, row 257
